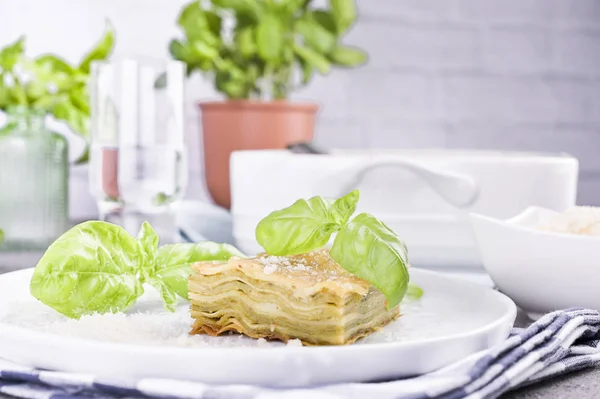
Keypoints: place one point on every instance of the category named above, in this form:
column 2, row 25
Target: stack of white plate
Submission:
column 425, row 196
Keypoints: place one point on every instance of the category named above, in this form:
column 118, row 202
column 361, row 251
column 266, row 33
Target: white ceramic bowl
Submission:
column 424, row 195
column 540, row 270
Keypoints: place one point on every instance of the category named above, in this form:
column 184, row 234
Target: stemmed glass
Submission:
column 138, row 167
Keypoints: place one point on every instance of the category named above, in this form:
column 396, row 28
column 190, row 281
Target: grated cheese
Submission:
column 583, row 220
column 154, row 328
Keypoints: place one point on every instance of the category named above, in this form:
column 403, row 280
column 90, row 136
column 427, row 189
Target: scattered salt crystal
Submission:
column 294, row 342
column 269, row 269
column 301, row 267
column 272, row 327
column 262, row 342
column 270, row 260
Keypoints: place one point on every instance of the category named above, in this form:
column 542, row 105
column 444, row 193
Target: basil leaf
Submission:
column 344, row 13
column 149, row 241
column 214, row 22
column 250, row 9
column 348, row 56
column 369, row 249
column 414, row 292
column 304, row 226
column 307, row 70
column 101, row 51
column 76, row 119
column 53, row 64
column 182, row 51
column 313, row 58
column 9, row 55
column 316, row 35
column 172, row 264
column 291, row 7
column 93, row 267
column 269, row 37
column 202, row 50
column 198, row 25
column 343, row 208
column 325, row 19
column 244, row 40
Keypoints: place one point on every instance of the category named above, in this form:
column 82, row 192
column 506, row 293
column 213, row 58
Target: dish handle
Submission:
column 457, row 189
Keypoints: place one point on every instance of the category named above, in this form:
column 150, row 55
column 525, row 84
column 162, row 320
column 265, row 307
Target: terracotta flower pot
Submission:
column 249, row 125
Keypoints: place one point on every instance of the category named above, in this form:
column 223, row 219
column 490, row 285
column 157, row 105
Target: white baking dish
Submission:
column 424, row 195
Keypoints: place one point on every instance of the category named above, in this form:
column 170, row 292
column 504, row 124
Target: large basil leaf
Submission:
column 369, row 249
column 172, row 264
column 304, row 226
column 92, row 268
column 101, row 50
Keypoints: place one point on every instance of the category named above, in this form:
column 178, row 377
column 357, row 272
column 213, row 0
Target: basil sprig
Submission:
column 97, row 267
column 304, row 226
column 364, row 246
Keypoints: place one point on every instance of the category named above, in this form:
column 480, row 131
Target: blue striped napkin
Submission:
column 558, row 343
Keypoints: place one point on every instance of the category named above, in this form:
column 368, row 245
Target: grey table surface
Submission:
column 579, row 385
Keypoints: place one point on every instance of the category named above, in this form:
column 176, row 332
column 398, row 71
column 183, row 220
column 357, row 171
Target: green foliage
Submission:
column 50, row 83
column 273, row 47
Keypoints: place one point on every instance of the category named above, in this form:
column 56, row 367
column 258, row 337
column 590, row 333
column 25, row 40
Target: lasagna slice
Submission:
column 307, row 297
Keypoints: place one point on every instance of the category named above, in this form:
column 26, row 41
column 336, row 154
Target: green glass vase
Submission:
column 34, row 170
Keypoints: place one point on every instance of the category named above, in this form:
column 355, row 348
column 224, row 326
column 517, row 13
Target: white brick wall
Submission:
column 508, row 74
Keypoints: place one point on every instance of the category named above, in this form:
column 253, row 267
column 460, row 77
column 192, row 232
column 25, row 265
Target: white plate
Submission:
column 452, row 320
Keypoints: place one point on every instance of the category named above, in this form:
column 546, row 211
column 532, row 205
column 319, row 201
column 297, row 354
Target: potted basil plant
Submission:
column 271, row 49
column 34, row 167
